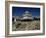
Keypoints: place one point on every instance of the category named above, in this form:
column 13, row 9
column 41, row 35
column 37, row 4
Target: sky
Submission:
column 18, row 11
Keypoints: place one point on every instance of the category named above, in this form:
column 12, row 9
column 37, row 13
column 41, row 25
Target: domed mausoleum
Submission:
column 26, row 16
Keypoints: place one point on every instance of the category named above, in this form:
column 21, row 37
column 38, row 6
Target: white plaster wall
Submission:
column 2, row 19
